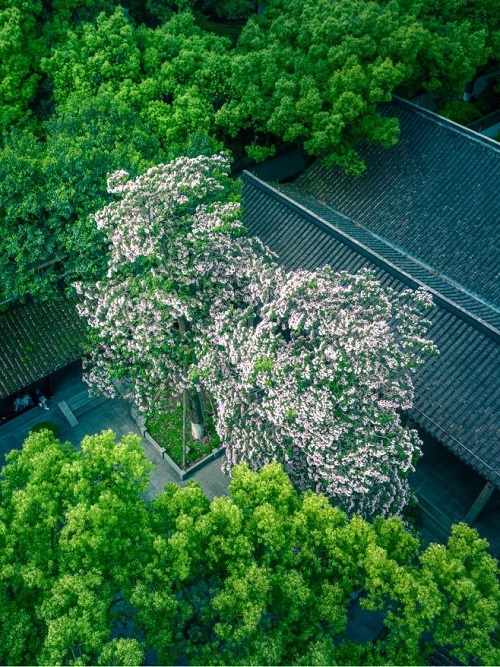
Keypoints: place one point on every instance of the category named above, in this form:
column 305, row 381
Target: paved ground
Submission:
column 446, row 486
column 95, row 416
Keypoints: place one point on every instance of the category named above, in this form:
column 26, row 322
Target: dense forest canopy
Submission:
column 154, row 99
column 90, row 87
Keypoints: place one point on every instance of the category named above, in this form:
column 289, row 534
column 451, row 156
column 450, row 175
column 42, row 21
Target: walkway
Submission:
column 446, row 486
column 95, row 415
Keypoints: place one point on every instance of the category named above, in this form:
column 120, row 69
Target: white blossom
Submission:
column 319, row 382
column 176, row 253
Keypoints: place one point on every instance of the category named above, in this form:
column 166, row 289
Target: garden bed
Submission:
column 166, row 429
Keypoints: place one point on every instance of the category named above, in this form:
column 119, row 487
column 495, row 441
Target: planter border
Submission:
column 181, row 474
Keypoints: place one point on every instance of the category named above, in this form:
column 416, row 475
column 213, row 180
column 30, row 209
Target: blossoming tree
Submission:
column 176, row 252
column 317, row 382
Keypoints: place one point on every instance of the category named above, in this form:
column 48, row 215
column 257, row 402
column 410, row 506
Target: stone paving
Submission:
column 446, row 486
column 96, row 417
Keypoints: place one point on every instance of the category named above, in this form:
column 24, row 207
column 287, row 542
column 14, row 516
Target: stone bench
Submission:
column 63, row 406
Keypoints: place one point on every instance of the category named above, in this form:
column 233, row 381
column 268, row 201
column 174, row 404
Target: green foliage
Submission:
column 91, row 574
column 451, row 598
column 166, row 429
column 311, row 73
column 314, row 73
column 20, row 51
column 50, row 189
column 62, row 15
column 102, row 55
column 28, row 30
column 49, row 426
column 227, row 10
column 462, row 36
column 229, row 29
column 74, row 535
column 268, row 573
column 460, row 112
column 110, row 81
column 122, row 652
column 134, row 90
column 172, row 76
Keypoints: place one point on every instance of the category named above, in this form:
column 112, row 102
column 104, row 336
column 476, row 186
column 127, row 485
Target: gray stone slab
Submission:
column 63, row 407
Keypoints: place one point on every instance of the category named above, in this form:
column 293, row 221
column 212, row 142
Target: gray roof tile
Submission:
column 457, row 393
column 436, row 194
column 36, row 339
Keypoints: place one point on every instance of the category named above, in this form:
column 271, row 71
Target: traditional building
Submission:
column 36, row 339
column 425, row 213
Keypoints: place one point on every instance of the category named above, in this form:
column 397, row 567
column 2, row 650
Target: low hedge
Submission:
column 45, row 426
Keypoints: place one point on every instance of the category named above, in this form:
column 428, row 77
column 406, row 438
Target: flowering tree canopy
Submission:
column 176, row 251
column 317, row 384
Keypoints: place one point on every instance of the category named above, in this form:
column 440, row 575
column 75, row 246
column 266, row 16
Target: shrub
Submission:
column 45, row 426
column 459, row 112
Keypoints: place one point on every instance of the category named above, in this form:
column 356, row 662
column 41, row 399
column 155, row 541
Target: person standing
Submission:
column 42, row 401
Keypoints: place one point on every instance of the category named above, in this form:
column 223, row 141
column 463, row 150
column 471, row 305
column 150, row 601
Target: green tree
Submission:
column 314, row 73
column 92, row 574
column 21, row 49
column 268, row 576
column 29, row 29
column 75, row 536
column 186, row 73
column 455, row 38
column 174, row 77
column 49, row 190
column 63, row 14
column 449, row 598
column 227, row 10
column 102, row 55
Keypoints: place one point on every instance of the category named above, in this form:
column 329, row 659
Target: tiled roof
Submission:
column 457, row 393
column 435, row 193
column 37, row 339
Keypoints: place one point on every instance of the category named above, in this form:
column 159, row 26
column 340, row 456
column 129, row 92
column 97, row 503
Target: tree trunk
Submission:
column 194, row 398
column 184, row 429
column 196, row 414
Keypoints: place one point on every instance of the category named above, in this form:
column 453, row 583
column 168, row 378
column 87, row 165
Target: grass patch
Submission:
column 166, row 429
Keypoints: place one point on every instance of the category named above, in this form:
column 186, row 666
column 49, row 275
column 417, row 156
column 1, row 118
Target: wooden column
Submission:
column 479, row 503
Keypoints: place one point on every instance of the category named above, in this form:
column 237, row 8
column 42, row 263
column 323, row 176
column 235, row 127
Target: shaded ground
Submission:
column 448, row 488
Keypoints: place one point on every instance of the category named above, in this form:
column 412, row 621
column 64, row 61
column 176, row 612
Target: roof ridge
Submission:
column 382, row 239
column 352, row 238
column 456, row 392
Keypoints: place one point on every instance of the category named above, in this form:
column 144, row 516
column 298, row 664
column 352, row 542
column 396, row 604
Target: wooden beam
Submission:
column 479, row 503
